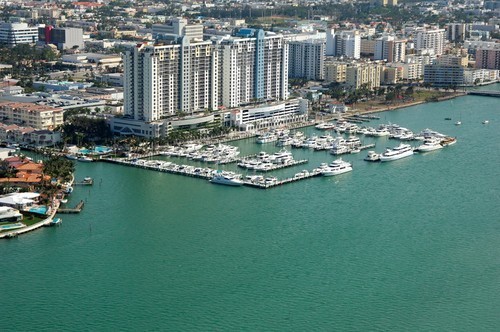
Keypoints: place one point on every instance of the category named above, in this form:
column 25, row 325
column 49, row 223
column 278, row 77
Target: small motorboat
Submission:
column 458, row 123
column 447, row 118
column 486, row 122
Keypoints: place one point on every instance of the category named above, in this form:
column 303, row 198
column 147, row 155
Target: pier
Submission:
column 205, row 173
column 84, row 183
column 261, row 185
column 279, row 166
column 77, row 209
column 485, row 93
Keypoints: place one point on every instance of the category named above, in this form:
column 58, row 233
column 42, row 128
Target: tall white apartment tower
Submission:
column 433, row 39
column 306, row 59
column 254, row 67
column 162, row 80
column 390, row 49
column 348, row 43
column 330, row 42
column 185, row 75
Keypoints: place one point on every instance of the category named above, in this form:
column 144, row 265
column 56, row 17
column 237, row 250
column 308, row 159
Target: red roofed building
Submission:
column 29, row 114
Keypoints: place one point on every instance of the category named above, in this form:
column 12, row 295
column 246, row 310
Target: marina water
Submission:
column 407, row 245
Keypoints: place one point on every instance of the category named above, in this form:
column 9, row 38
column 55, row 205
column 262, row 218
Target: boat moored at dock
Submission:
column 372, row 156
column 227, row 178
column 398, row 152
column 430, row 145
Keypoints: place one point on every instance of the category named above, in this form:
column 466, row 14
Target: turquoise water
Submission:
column 406, row 245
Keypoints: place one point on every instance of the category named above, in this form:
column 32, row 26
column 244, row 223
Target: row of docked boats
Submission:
column 405, row 150
column 236, row 180
column 220, row 153
column 273, row 135
column 267, row 162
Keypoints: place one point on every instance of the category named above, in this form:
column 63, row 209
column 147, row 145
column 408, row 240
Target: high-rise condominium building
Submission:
column 433, row 39
column 368, row 74
column 488, row 57
column 306, row 59
column 455, row 32
column 345, row 43
column 191, row 76
column 390, row 49
column 254, row 67
column 164, row 79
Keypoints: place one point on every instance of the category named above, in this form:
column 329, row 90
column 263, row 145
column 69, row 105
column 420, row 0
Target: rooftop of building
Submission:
column 29, row 106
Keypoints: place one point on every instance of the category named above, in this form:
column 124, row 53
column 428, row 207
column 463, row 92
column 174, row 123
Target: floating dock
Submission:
column 260, row 185
column 207, row 174
column 77, row 209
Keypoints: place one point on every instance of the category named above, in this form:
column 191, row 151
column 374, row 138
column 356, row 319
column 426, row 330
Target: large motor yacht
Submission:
column 339, row 166
column 430, row 145
column 400, row 151
column 228, row 179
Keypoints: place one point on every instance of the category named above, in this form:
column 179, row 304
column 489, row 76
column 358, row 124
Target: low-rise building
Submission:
column 444, row 76
column 270, row 115
column 13, row 34
column 335, row 72
column 368, row 74
column 32, row 115
column 392, row 75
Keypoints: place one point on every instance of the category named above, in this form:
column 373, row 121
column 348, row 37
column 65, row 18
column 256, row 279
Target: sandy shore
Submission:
column 402, row 105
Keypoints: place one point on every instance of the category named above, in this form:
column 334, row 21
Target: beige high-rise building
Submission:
column 335, row 72
column 366, row 73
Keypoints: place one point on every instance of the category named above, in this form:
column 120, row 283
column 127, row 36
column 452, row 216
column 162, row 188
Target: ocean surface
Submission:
column 410, row 245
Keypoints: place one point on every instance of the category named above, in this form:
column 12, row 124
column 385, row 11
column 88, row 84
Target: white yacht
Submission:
column 430, row 145
column 267, row 138
column 337, row 167
column 372, row 156
column 227, row 179
column 400, row 151
column 284, row 141
column 325, row 126
column 381, row 132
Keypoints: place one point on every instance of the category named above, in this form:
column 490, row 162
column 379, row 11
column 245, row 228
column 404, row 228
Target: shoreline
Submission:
column 54, row 206
column 244, row 135
column 396, row 107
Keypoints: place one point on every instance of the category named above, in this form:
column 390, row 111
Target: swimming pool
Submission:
column 39, row 209
column 97, row 150
column 12, row 226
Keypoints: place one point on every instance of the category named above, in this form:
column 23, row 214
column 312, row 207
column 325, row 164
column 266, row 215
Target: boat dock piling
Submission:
column 77, row 209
